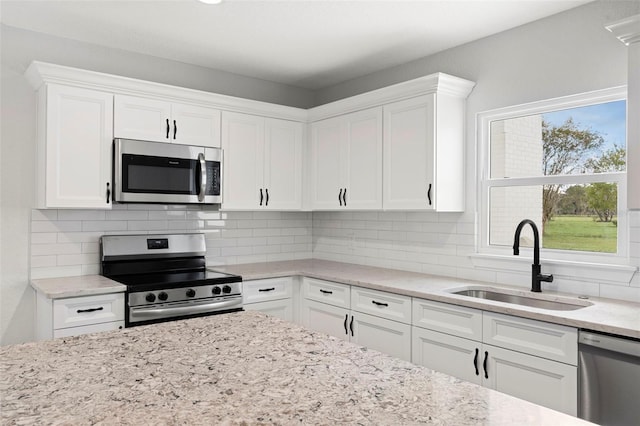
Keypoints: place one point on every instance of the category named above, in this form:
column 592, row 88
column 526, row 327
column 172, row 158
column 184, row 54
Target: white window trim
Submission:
column 602, row 267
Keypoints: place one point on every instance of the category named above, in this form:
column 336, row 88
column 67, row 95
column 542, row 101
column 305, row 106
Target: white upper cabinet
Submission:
column 262, row 162
column 346, row 161
column 161, row 121
column 74, row 147
column 424, row 154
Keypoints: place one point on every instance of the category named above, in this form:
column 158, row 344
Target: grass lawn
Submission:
column 580, row 233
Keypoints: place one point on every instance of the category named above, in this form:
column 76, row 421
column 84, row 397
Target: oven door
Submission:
column 154, row 172
column 149, row 314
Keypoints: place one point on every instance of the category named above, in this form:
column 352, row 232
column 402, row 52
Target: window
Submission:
column 562, row 164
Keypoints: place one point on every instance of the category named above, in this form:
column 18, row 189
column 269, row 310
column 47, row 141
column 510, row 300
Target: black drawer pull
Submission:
column 484, row 364
column 475, row 361
column 340, row 197
column 379, row 303
column 267, row 289
column 429, row 194
column 346, row 317
column 326, row 291
column 351, row 325
column 175, row 129
column 80, row 311
column 168, row 128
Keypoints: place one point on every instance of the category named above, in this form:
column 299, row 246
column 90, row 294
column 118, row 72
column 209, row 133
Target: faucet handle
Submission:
column 545, row 278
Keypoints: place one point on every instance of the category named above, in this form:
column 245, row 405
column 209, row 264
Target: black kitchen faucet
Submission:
column 536, row 276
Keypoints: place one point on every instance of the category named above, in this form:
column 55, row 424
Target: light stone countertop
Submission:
column 606, row 315
column 84, row 285
column 239, row 368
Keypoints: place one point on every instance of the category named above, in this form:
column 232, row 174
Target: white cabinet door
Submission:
column 327, row 144
column 346, row 155
column 262, row 163
column 363, row 173
column 161, row 121
column 282, row 309
column 142, row 118
column 195, row 125
column 325, row 318
column 448, row 354
column 390, row 337
column 243, row 145
column 283, row 164
column 409, row 154
column 74, row 151
column 538, row 380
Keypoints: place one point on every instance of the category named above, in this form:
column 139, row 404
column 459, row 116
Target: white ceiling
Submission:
column 311, row 44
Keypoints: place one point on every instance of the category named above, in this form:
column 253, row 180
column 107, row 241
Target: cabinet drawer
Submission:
column 78, row 311
column 445, row 318
column 381, row 304
column 537, row 338
column 265, row 290
column 282, row 308
column 335, row 294
column 86, row 329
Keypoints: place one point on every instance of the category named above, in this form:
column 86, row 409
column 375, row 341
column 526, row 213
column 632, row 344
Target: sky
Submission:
column 608, row 119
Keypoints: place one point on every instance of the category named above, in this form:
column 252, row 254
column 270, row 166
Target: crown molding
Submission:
column 40, row 73
column 627, row 30
column 434, row 83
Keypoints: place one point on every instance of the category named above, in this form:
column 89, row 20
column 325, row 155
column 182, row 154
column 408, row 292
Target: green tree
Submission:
column 573, row 201
column 566, row 148
column 603, row 197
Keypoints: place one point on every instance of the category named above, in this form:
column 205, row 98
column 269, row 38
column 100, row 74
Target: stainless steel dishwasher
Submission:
column 609, row 379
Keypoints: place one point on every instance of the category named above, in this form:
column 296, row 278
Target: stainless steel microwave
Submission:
column 157, row 172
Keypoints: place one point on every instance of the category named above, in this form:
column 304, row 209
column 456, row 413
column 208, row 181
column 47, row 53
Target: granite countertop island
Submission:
column 240, row 368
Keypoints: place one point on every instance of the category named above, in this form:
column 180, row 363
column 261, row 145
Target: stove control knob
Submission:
column 163, row 296
column 191, row 293
column 150, row 297
column 216, row 290
column 226, row 289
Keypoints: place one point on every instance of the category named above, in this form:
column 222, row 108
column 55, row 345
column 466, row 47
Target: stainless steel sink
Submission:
column 505, row 296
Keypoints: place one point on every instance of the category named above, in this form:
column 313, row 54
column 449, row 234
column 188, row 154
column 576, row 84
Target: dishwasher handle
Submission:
column 623, row 345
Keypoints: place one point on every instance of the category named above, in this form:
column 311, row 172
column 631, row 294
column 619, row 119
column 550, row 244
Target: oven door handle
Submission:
column 141, row 312
column 203, row 177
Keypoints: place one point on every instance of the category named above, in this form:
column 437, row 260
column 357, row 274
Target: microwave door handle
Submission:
column 203, row 177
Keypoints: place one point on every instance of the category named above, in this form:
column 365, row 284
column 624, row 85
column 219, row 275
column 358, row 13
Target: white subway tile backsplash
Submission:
column 65, row 242
column 81, row 215
column 103, row 225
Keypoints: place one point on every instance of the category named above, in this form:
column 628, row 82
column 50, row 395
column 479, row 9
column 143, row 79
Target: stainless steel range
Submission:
column 167, row 278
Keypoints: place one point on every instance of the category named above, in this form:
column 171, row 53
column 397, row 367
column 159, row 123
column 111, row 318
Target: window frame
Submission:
column 485, row 182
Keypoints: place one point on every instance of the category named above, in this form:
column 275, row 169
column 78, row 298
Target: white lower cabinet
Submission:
column 74, row 316
column 336, row 309
column 535, row 361
column 273, row 296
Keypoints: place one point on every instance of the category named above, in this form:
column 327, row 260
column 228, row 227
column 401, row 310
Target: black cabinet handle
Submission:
column 344, row 197
column 267, row 289
column 326, row 291
column 346, row 317
column 484, row 364
column 168, row 128
column 267, row 202
column 108, row 193
column 261, row 196
column 379, row 303
column 429, row 194
column 80, row 311
column 475, row 361
column 340, row 197
column 351, row 325
column 175, row 129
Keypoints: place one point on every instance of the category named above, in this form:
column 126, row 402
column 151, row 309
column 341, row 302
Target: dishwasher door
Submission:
column 609, row 379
